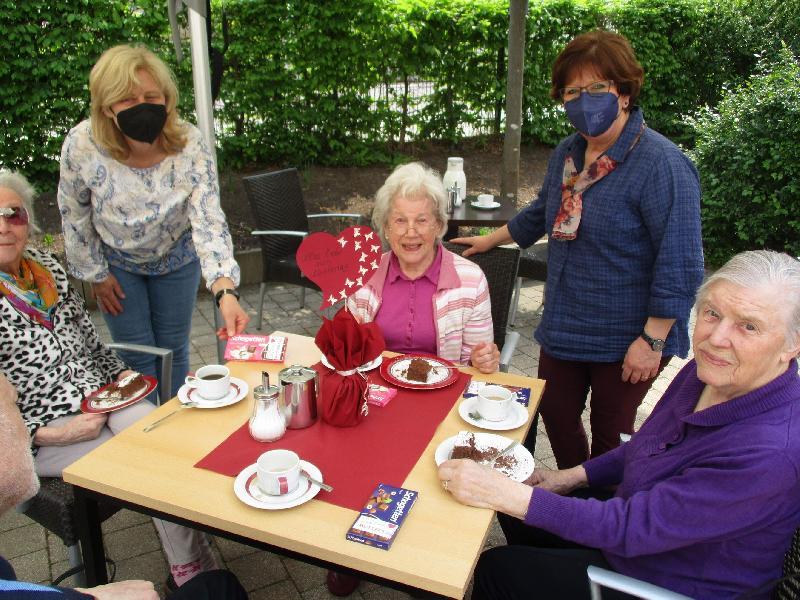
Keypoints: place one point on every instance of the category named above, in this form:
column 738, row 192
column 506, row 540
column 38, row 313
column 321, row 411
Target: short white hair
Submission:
column 764, row 268
column 17, row 183
column 406, row 181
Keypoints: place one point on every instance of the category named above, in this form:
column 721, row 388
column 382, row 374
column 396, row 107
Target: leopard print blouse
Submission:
column 53, row 370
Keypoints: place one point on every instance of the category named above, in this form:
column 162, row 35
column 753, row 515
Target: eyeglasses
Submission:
column 16, row 215
column 598, row 88
column 401, row 225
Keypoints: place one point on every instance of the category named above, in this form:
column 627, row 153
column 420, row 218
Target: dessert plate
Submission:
column 368, row 366
column 442, row 372
column 484, row 441
column 491, row 206
column 517, row 416
column 239, row 389
column 100, row 401
column 246, row 489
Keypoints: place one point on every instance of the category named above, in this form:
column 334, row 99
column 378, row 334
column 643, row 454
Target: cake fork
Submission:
column 490, row 460
column 155, row 424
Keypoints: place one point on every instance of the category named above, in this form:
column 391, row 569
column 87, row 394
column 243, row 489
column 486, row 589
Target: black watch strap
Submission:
column 656, row 344
column 218, row 296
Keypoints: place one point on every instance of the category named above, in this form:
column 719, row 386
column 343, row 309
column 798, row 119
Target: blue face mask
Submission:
column 592, row 115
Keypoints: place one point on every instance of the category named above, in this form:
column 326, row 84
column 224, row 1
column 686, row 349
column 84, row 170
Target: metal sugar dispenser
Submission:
column 267, row 423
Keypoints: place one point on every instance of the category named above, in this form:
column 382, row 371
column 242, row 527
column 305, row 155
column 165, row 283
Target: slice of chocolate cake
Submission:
column 466, row 447
column 132, row 385
column 418, row 370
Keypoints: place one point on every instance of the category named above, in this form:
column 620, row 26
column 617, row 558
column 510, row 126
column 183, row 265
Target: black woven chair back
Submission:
column 533, row 262
column 276, row 200
column 789, row 588
column 53, row 507
column 500, row 267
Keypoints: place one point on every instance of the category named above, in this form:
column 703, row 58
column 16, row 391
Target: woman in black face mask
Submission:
column 139, row 200
column 620, row 205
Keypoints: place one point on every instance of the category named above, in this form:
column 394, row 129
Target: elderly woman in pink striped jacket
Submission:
column 425, row 298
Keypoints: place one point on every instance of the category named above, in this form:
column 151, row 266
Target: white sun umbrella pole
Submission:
column 201, row 76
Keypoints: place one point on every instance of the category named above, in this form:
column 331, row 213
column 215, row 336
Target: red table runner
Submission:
column 383, row 448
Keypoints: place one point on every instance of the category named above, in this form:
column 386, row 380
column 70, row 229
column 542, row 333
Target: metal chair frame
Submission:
column 53, row 507
column 276, row 199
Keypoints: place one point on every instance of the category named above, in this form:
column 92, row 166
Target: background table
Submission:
column 468, row 216
column 153, row 473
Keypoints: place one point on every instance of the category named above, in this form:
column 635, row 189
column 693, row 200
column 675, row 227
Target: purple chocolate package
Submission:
column 383, row 514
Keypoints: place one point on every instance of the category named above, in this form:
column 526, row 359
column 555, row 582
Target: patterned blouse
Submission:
column 147, row 221
column 53, row 369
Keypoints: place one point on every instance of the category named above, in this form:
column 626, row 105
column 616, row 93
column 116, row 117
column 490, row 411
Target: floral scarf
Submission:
column 33, row 292
column 574, row 184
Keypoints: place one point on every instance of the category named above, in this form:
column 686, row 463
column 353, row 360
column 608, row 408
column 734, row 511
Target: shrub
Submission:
column 747, row 152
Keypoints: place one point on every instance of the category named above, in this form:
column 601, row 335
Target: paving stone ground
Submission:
column 131, row 539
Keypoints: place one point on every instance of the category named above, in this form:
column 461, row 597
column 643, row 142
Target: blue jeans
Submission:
column 156, row 311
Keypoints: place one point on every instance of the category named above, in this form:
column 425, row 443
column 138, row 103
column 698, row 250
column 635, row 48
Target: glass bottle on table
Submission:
column 267, row 422
column 455, row 177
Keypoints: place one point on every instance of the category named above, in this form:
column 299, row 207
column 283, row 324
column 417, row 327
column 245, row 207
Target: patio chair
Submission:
column 786, row 588
column 500, row 267
column 276, row 199
column 532, row 265
column 53, row 507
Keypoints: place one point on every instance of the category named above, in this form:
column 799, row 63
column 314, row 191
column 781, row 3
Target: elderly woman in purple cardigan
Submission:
column 707, row 491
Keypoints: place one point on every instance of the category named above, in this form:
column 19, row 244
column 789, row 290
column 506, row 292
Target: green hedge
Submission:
column 332, row 82
column 747, row 152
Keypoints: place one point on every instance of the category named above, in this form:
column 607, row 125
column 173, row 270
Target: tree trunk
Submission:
column 517, row 15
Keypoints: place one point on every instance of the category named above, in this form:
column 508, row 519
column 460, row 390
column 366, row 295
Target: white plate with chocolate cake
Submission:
column 478, row 446
column 419, row 371
column 119, row 394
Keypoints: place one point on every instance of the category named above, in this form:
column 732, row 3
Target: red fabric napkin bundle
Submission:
column 347, row 344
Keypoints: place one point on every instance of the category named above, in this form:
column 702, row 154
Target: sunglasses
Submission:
column 16, row 215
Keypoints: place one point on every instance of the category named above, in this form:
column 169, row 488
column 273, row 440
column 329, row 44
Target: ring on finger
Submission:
column 444, row 485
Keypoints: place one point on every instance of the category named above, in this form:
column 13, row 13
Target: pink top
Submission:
column 406, row 313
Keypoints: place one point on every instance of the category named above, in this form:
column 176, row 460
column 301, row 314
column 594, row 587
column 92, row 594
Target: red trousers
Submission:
column 613, row 406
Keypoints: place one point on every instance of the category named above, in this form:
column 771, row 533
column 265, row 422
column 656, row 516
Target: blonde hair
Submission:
column 113, row 78
column 406, row 181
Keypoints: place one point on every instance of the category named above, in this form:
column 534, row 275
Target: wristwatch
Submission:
column 656, row 345
column 218, row 296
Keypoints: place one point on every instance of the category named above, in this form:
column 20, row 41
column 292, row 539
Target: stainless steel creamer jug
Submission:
column 299, row 390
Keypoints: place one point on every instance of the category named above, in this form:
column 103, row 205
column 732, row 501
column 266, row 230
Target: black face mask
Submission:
column 143, row 122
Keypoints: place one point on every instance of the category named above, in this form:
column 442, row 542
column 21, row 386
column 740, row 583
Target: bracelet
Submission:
column 218, row 296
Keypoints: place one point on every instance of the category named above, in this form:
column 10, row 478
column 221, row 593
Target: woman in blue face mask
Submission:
column 620, row 205
column 140, row 206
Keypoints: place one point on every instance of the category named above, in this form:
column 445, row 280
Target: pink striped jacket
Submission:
column 461, row 306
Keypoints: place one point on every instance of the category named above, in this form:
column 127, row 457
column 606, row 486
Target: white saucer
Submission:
column 368, row 366
column 517, row 416
column 247, row 490
column 239, row 389
column 491, row 206
column 520, row 472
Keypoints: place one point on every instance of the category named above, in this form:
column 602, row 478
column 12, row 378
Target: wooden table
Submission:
column 468, row 216
column 153, row 473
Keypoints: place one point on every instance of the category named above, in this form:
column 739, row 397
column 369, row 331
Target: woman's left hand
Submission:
column 482, row 486
column 641, row 362
column 233, row 315
column 485, row 357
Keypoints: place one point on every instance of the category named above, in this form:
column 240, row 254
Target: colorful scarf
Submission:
column 574, row 184
column 33, row 293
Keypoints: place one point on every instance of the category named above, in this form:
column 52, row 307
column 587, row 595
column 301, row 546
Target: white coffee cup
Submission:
column 212, row 382
column 278, row 472
column 494, row 402
column 485, row 199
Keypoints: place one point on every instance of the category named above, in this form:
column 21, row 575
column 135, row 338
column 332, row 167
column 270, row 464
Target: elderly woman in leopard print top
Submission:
column 49, row 350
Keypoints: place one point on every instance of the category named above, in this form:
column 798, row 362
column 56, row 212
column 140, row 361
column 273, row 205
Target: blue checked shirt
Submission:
column 638, row 253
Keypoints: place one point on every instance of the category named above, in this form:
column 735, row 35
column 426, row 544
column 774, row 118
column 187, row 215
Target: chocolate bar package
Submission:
column 251, row 347
column 379, row 521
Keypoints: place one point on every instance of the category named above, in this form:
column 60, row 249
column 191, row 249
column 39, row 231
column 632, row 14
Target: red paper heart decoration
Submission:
column 339, row 265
